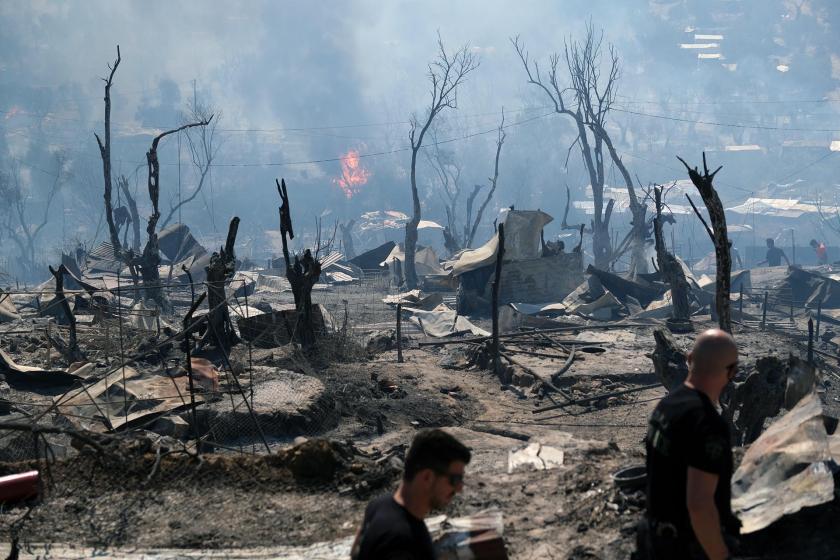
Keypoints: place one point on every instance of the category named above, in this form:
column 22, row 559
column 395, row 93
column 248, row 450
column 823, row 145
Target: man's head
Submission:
column 770, row 242
column 814, row 243
column 713, row 362
column 434, row 466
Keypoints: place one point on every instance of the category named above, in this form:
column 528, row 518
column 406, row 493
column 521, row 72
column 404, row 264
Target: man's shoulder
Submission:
column 682, row 398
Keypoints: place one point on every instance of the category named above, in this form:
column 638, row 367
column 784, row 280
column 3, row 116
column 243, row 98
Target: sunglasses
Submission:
column 454, row 479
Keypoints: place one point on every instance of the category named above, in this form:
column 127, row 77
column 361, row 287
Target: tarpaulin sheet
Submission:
column 522, row 241
column 442, row 321
column 426, row 261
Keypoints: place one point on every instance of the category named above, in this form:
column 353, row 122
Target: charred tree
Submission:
column 672, row 272
column 149, row 261
column 69, row 350
column 134, row 215
column 719, row 237
column 105, row 154
column 220, row 332
column 446, row 73
column 19, row 224
column 347, row 239
column 447, row 168
column 302, row 274
column 587, row 99
column 203, row 147
column 500, row 140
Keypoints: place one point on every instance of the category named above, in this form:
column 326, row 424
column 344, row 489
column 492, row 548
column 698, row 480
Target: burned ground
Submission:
column 141, row 494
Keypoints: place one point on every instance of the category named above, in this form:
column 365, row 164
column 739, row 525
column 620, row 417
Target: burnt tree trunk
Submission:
column 411, row 227
column 105, row 153
column 149, row 261
column 718, row 234
column 220, row 330
column 302, row 275
column 673, row 273
column 135, row 215
column 347, row 239
column 69, row 350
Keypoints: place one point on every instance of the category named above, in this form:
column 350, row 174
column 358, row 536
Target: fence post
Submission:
column 399, row 333
column 497, row 281
column 791, row 304
column 819, row 317
column 764, row 312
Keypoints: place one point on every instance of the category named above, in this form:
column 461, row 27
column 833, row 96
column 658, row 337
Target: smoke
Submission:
column 298, row 84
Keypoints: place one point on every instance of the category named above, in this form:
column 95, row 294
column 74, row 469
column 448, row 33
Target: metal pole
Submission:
column 500, row 251
column 793, row 245
column 810, row 341
column 791, row 304
column 741, row 302
column 819, row 317
column 764, row 313
column 399, row 334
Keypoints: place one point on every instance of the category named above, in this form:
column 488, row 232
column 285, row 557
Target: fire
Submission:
column 353, row 175
column 12, row 112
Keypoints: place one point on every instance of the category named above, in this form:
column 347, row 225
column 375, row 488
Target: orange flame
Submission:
column 12, row 112
column 353, row 175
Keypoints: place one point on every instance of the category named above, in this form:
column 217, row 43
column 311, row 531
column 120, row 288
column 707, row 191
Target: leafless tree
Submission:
column 105, row 153
column 17, row 202
column 448, row 170
column 446, row 73
column 149, row 261
column 447, row 167
column 469, row 236
column 587, row 98
column 203, row 146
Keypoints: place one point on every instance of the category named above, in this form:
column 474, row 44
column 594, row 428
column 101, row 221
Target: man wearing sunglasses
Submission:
column 689, row 461
column 393, row 527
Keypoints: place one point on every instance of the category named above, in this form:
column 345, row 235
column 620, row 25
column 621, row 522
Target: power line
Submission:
column 730, row 125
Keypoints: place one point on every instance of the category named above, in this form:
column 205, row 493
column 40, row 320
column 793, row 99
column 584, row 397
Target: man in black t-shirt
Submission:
column 689, row 461
column 393, row 527
column 774, row 254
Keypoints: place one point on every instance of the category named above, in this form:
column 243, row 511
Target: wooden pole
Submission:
column 764, row 312
column 399, row 333
column 819, row 317
column 791, row 304
column 500, row 252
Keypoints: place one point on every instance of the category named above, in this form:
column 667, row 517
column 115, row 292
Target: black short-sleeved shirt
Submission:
column 774, row 256
column 685, row 431
column 390, row 532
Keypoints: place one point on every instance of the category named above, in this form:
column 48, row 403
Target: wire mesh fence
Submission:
column 136, row 444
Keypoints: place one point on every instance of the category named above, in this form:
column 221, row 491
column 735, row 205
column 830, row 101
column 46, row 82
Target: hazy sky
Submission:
column 290, row 78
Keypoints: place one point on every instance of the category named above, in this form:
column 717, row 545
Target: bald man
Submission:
column 689, row 461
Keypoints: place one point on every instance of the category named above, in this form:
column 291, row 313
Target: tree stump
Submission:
column 672, row 272
column 220, row 332
column 669, row 362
